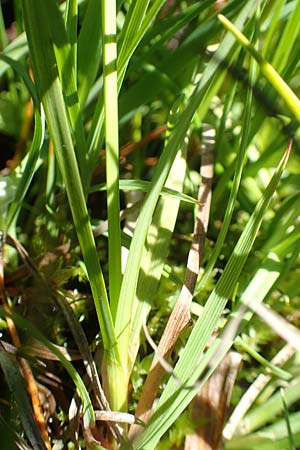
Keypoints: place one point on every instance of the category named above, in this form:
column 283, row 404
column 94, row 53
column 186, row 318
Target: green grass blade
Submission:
column 3, row 36
column 280, row 373
column 142, row 185
column 287, row 418
column 10, row 437
column 133, row 264
column 138, row 21
column 109, row 39
column 71, row 19
column 290, row 34
column 278, row 4
column 164, row 30
column 18, row 67
column 153, row 84
column 260, row 286
column 82, row 344
column 19, row 48
column 89, row 49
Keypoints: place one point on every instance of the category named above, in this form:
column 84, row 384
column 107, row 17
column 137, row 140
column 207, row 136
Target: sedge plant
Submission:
column 118, row 96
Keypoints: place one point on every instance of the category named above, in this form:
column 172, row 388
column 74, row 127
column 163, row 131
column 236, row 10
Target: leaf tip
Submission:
column 221, row 18
column 288, row 151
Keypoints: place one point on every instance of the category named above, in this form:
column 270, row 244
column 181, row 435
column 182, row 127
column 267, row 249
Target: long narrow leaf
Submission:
column 142, row 185
column 112, row 150
column 89, row 49
column 287, row 418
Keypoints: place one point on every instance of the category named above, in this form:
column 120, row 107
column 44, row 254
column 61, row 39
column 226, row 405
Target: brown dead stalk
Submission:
column 210, row 406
